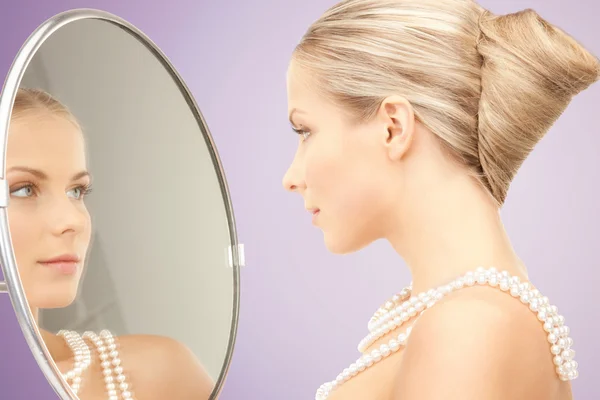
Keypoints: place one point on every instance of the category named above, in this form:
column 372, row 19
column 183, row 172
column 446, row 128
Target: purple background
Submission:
column 304, row 310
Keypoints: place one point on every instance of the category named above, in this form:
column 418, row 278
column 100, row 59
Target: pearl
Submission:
column 568, row 354
column 481, row 279
column 391, row 316
column 353, row 369
column 110, row 363
column 360, row 364
column 542, row 316
column 81, row 355
column 385, row 350
column 555, row 332
column 376, row 355
column 514, row 290
column 558, row 360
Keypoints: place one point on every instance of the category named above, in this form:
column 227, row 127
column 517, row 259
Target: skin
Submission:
column 48, row 181
column 390, row 178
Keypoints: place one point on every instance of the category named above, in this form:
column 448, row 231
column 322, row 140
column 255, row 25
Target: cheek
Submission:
column 24, row 226
column 343, row 179
column 87, row 227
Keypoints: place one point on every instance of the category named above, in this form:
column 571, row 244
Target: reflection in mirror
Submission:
column 118, row 219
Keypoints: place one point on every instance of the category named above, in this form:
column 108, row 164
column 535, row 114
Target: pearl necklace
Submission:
column 388, row 319
column 114, row 378
column 389, row 306
column 82, row 356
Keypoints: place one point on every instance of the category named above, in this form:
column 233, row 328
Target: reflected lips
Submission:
column 66, row 264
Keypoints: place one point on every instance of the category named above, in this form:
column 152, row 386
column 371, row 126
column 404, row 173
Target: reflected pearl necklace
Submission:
column 81, row 355
column 392, row 316
column 114, row 378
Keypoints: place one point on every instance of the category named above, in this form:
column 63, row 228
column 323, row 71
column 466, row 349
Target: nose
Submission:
column 66, row 217
column 293, row 180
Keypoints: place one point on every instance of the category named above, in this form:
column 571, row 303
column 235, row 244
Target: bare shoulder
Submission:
column 478, row 343
column 160, row 367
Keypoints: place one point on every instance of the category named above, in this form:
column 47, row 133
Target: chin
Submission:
column 50, row 303
column 342, row 244
column 52, row 296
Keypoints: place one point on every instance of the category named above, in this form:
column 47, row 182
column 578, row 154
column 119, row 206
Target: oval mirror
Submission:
column 117, row 236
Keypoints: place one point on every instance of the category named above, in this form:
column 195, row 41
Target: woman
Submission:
column 51, row 228
column 414, row 116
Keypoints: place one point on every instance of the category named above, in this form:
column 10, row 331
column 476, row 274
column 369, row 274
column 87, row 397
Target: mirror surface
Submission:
column 142, row 247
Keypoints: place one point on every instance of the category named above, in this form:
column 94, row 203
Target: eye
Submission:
column 305, row 135
column 80, row 192
column 23, row 191
column 302, row 132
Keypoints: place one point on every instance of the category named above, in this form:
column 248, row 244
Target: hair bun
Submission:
column 530, row 72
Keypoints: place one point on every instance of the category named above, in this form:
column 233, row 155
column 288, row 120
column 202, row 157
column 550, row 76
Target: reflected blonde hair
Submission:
column 36, row 102
column 489, row 87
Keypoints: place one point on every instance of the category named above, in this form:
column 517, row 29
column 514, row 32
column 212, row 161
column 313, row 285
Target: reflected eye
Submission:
column 79, row 192
column 23, row 191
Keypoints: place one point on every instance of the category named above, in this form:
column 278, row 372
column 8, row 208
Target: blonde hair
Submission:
column 36, row 102
column 488, row 86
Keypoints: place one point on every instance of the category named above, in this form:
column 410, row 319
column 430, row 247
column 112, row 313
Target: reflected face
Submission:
column 340, row 168
column 49, row 223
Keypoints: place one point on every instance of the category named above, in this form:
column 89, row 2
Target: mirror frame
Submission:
column 12, row 284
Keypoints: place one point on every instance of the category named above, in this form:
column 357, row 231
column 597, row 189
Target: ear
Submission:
column 398, row 117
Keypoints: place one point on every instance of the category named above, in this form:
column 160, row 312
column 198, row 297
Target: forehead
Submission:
column 299, row 84
column 301, row 93
column 308, row 105
column 42, row 139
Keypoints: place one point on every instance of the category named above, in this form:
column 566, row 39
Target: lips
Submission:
column 64, row 258
column 66, row 264
column 313, row 211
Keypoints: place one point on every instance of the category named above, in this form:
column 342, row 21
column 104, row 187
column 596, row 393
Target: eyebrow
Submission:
column 41, row 175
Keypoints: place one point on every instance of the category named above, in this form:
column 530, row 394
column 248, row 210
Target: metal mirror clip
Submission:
column 3, row 204
column 236, row 256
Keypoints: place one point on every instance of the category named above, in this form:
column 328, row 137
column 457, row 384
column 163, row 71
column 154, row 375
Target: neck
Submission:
column 56, row 346
column 454, row 230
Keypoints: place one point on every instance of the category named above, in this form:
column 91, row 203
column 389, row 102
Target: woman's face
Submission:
column 49, row 223
column 341, row 169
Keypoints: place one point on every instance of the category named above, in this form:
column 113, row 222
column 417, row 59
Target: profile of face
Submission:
column 346, row 171
column 49, row 224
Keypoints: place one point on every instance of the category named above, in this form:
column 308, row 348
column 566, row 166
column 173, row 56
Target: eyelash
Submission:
column 85, row 189
column 302, row 132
